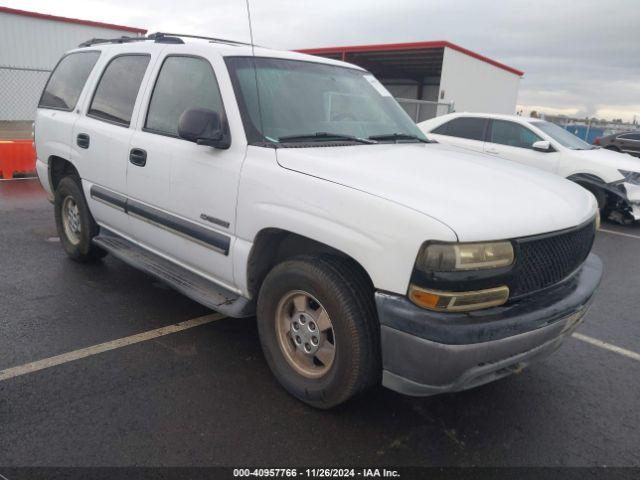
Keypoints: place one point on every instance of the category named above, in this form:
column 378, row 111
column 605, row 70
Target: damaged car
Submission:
column 613, row 178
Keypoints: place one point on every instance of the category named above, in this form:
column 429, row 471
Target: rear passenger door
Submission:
column 514, row 141
column 465, row 132
column 183, row 196
column 57, row 113
column 102, row 135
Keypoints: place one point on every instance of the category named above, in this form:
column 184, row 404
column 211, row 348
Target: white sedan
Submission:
column 613, row 178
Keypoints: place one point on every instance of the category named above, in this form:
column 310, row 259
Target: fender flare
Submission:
column 590, row 179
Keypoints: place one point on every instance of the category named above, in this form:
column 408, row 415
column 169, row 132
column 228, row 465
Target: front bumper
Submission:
column 426, row 352
column 626, row 197
column 633, row 197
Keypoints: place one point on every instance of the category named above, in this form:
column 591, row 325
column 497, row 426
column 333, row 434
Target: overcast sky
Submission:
column 579, row 57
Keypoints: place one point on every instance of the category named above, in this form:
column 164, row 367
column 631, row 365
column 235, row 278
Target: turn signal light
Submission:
column 458, row 301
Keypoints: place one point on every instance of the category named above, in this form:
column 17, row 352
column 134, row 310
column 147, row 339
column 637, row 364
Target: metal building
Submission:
column 30, row 46
column 434, row 78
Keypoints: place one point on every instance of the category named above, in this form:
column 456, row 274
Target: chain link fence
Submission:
column 19, row 94
column 421, row 110
column 21, row 89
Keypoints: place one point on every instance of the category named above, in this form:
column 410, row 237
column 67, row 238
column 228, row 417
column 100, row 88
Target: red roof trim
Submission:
column 77, row 21
column 388, row 47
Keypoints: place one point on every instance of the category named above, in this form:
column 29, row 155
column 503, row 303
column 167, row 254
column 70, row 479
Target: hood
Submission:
column 479, row 197
column 608, row 158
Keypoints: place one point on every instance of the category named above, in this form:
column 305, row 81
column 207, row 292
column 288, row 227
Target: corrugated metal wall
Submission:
column 30, row 48
column 475, row 85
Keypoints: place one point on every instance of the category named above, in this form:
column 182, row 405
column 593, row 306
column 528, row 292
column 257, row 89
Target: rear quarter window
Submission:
column 67, row 80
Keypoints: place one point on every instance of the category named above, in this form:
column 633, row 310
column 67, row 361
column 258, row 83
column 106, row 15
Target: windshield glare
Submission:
column 304, row 98
column 562, row 136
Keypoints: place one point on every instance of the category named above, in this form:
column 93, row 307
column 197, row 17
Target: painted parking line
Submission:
column 622, row 234
column 105, row 347
column 196, row 322
column 607, row 346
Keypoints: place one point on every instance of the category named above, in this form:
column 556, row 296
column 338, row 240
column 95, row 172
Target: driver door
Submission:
column 183, row 195
column 513, row 141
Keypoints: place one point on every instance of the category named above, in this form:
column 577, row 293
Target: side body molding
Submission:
column 204, row 236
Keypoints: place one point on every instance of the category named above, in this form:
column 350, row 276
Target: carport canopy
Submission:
column 415, row 62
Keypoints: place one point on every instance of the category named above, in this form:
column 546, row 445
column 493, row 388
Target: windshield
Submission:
column 562, row 136
column 307, row 101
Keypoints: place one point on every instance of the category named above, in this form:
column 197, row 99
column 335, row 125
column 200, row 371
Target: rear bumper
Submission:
column 42, row 169
column 427, row 352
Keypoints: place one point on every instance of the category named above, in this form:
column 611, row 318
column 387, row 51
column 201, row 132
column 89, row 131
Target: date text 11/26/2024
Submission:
column 317, row 472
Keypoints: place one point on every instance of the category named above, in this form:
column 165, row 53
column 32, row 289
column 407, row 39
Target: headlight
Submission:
column 451, row 257
column 630, row 177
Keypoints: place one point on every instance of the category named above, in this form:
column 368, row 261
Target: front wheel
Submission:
column 319, row 330
column 75, row 224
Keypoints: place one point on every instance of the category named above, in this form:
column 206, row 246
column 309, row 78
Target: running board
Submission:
column 186, row 282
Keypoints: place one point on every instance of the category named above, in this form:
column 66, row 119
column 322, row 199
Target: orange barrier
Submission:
column 16, row 156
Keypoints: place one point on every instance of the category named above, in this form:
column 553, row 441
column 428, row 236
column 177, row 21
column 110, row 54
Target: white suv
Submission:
column 296, row 189
column 613, row 178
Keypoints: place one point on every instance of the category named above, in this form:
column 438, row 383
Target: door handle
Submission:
column 492, row 151
column 83, row 140
column 138, row 157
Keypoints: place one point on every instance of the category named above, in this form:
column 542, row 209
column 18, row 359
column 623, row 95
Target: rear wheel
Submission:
column 319, row 330
column 75, row 224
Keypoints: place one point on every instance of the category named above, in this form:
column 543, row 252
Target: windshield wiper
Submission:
column 323, row 136
column 398, row 136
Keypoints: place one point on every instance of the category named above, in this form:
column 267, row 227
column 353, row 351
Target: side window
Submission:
column 183, row 83
column 471, row 128
column 117, row 90
column 512, row 134
column 67, row 81
column 630, row 136
column 442, row 129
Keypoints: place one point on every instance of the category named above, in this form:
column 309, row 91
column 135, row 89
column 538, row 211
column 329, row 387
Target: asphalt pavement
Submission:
column 204, row 396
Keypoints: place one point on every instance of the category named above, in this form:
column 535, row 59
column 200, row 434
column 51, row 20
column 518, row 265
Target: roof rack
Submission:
column 211, row 39
column 158, row 37
column 96, row 41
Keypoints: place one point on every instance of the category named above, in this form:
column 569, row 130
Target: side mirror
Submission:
column 203, row 127
column 542, row 146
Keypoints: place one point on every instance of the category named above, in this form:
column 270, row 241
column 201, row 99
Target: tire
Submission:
column 78, row 229
column 339, row 287
column 613, row 148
